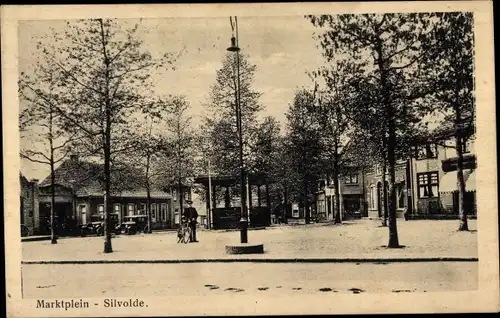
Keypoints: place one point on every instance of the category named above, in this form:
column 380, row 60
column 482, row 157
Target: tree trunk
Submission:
column 393, row 230
column 391, row 146
column 148, row 194
column 285, row 208
column 148, row 208
column 268, row 201
column 107, row 181
column 53, row 233
column 462, row 213
column 336, row 186
column 181, row 198
column 107, row 146
column 338, row 219
column 306, row 206
column 385, row 194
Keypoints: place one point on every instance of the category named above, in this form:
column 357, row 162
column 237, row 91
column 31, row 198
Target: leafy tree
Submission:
column 450, row 74
column 222, row 104
column 304, row 142
column 266, row 157
column 388, row 48
column 221, row 125
column 334, row 120
column 178, row 163
column 105, row 78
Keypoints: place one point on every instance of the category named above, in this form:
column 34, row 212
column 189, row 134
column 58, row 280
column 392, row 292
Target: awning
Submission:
column 448, row 182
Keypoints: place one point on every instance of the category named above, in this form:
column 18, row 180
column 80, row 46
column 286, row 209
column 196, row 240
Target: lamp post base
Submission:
column 245, row 248
column 243, row 231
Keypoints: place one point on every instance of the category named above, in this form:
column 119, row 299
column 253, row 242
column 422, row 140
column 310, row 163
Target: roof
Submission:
column 23, row 179
column 446, row 130
column 87, row 178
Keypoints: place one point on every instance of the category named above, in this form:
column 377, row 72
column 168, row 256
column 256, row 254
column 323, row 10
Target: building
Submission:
column 376, row 201
column 351, row 192
column 79, row 196
column 426, row 183
column 434, row 176
column 29, row 205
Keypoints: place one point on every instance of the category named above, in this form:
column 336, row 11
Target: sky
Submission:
column 282, row 48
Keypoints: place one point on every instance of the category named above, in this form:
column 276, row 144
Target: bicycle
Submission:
column 184, row 233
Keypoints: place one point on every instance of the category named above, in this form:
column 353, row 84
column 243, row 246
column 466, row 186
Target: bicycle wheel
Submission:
column 187, row 235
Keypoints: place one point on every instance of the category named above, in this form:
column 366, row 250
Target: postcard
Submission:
column 249, row 159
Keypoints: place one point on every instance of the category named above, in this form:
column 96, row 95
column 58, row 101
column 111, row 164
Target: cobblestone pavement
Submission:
column 357, row 239
column 199, row 279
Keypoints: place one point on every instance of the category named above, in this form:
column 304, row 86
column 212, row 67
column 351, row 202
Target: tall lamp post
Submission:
column 244, row 215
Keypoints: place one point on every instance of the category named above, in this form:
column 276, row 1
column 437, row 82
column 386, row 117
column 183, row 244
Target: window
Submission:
column 427, row 184
column 373, row 194
column 142, row 210
column 163, row 212
column 351, row 178
column 100, row 208
column 130, row 209
column 116, row 208
column 378, row 170
column 428, row 151
column 153, row 212
column 295, row 211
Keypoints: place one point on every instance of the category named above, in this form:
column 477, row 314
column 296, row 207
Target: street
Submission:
column 198, row 279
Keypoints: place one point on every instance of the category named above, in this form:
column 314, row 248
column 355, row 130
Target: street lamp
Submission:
column 244, row 215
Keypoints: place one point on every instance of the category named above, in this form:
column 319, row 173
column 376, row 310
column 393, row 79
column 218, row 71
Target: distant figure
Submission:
column 192, row 215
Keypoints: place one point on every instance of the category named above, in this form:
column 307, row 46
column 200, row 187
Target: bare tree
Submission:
column 41, row 124
column 106, row 76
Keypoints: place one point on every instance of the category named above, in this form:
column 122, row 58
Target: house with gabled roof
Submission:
column 79, row 195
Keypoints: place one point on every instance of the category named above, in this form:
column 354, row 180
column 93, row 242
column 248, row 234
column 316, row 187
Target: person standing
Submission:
column 192, row 216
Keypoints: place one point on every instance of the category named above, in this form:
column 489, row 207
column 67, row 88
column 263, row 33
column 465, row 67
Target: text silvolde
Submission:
column 113, row 303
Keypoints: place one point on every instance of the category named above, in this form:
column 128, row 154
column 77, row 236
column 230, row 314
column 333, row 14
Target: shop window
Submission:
column 428, row 184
